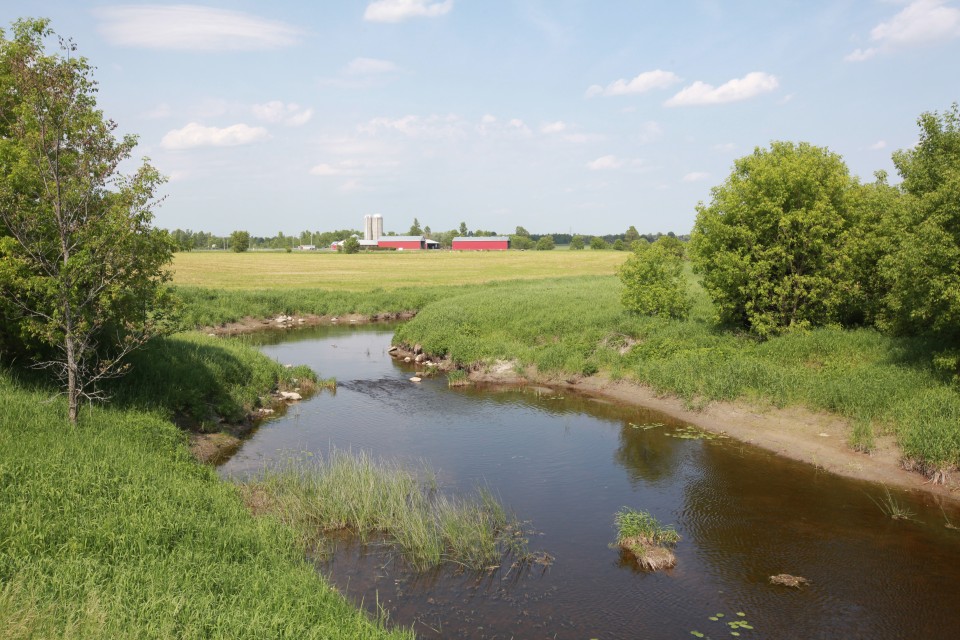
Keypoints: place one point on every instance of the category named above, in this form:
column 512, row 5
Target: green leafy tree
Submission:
column 426, row 231
column 639, row 244
column 78, row 253
column 597, row 243
column 631, row 235
column 239, row 241
column 619, row 245
column 653, row 283
column 673, row 244
column 415, row 229
column 545, row 243
column 522, row 232
column 769, row 244
column 521, row 243
column 350, row 245
column 576, row 243
column 922, row 272
column 463, row 229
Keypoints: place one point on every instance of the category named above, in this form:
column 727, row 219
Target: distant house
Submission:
column 479, row 243
column 307, row 247
column 402, row 242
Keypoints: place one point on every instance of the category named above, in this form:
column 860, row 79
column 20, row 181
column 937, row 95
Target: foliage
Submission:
column 545, row 243
column 597, row 243
column 631, row 236
column 923, row 269
column 79, row 255
column 463, row 229
column 619, row 245
column 111, row 530
column 576, row 243
column 632, row 523
column 415, row 229
column 769, row 244
column 522, row 232
column 239, row 241
column 350, row 245
column 654, row 283
column 521, row 243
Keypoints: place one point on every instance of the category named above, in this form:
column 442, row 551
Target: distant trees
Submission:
column 619, row 245
column 463, row 229
column 521, row 242
column 545, row 243
column 81, row 267
column 576, row 243
column 631, row 235
column 415, row 229
column 597, row 243
column 350, row 245
column 239, row 241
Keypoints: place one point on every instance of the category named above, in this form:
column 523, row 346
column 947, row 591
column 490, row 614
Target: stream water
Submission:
column 566, row 464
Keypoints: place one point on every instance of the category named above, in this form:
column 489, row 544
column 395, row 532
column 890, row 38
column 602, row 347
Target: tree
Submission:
column 426, row 231
column 239, row 241
column 576, row 243
column 522, row 232
column 79, row 258
column 463, row 229
column 415, row 229
column 350, row 245
column 653, row 283
column 619, row 245
column 922, row 271
column 631, row 235
column 597, row 243
column 545, row 243
column 769, row 245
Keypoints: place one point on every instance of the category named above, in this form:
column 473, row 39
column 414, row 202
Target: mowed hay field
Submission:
column 387, row 270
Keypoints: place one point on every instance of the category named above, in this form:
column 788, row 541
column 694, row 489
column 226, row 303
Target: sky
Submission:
column 563, row 116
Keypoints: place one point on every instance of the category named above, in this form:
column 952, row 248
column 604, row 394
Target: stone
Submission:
column 408, row 359
column 419, row 358
column 415, row 379
column 290, row 395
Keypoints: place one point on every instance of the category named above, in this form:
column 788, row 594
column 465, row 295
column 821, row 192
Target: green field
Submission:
column 388, row 270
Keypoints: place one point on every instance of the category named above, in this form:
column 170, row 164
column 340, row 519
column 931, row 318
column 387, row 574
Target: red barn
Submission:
column 489, row 243
column 401, row 242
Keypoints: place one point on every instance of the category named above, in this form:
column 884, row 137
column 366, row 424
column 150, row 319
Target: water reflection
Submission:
column 567, row 464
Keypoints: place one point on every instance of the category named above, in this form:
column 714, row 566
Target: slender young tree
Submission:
column 80, row 261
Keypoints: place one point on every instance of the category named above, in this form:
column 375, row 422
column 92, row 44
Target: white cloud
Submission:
column 878, row 145
column 921, row 22
column 276, row 112
column 399, row 10
column 519, row 126
column 369, row 66
column 696, row 176
column 160, row 111
column 604, row 163
column 649, row 131
column 646, row 81
column 196, row 135
column 350, row 186
column 554, row 127
column 351, row 167
column 701, row 93
column 436, row 127
column 185, row 27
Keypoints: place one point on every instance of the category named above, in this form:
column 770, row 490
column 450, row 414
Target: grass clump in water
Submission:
column 642, row 535
column 370, row 497
column 457, row 378
column 890, row 507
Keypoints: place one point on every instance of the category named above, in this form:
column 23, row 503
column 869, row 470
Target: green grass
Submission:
column 566, row 326
column 196, row 379
column 640, row 524
column 369, row 497
column 111, row 530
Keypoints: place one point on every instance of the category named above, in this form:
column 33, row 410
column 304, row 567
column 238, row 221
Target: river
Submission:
column 565, row 464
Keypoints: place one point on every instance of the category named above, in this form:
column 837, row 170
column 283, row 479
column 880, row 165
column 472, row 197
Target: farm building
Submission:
column 489, row 243
column 406, row 243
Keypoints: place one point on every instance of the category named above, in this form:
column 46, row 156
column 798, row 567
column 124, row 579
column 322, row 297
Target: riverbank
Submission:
column 111, row 529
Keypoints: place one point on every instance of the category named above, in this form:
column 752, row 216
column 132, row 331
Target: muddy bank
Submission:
column 816, row 438
column 282, row 321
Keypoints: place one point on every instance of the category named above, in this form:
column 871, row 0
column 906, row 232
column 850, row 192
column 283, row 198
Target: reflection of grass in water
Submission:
column 370, row 497
column 641, row 534
column 890, row 507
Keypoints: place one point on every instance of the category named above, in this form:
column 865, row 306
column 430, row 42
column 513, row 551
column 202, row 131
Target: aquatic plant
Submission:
column 375, row 498
column 890, row 507
column 642, row 535
column 457, row 378
column 787, row 580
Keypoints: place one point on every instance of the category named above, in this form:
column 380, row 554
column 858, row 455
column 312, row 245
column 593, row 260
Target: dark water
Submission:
column 567, row 465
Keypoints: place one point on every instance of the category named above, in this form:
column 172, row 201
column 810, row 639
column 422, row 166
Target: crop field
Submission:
column 387, row 270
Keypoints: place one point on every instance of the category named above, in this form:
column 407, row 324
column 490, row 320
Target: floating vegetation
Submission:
column 734, row 625
column 646, row 427
column 891, row 507
column 690, row 432
column 642, row 535
column 787, row 580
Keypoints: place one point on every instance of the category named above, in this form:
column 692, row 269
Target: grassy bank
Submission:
column 111, row 530
column 576, row 325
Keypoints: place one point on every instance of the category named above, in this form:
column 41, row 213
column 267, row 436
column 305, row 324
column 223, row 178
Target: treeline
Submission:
column 792, row 241
column 189, row 240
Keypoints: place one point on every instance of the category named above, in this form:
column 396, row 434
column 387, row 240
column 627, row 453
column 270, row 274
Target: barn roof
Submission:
column 482, row 239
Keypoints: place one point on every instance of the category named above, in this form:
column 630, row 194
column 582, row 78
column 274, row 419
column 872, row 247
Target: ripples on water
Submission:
column 566, row 464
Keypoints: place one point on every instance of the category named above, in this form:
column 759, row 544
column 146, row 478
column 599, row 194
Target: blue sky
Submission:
column 559, row 116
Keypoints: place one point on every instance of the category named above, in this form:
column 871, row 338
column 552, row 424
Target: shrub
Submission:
column 654, row 284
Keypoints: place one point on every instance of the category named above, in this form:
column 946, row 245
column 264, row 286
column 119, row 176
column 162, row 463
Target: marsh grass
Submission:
column 891, row 507
column 374, row 498
column 642, row 535
column 457, row 378
column 111, row 530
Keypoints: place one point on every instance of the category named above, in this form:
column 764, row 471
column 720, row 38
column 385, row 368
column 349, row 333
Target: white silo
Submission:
column 368, row 227
column 377, row 226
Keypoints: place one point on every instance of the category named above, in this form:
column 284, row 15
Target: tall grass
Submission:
column 197, row 379
column 883, row 385
column 111, row 530
column 371, row 497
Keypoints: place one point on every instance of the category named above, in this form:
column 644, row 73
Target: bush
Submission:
column 350, row 245
column 654, row 284
column 598, row 243
column 545, row 243
column 576, row 243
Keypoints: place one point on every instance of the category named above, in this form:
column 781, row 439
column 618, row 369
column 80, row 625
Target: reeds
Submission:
column 642, row 535
column 375, row 498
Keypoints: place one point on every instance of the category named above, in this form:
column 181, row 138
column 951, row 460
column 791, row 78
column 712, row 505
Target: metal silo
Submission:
column 368, row 227
column 377, row 226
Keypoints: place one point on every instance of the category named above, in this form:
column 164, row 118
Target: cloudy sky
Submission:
column 557, row 115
